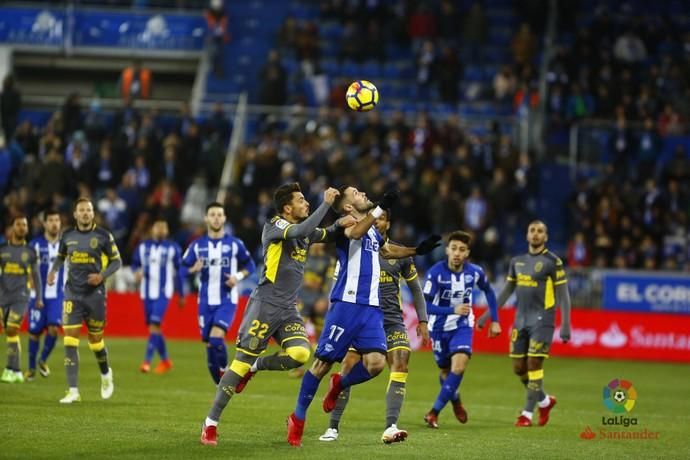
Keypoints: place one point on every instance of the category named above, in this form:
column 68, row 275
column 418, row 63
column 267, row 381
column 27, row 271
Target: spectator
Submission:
column 54, row 175
column 71, row 114
column 476, row 210
column 578, row 252
column 10, row 105
column 629, row 48
column 114, row 211
column 648, row 149
column 142, row 176
column 273, row 81
column 218, row 34
column 448, row 23
column 5, row 166
column 447, row 75
column 475, row 30
column 425, row 69
column 504, row 84
column 103, row 169
column 421, row 25
column 580, row 104
column 135, row 82
column 524, row 45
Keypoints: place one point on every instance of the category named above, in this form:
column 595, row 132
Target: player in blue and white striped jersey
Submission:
column 222, row 261
column 157, row 263
column 48, row 318
column 355, row 317
column 448, row 291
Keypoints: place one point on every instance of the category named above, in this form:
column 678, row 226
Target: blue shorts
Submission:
column 215, row 315
column 447, row 343
column 49, row 315
column 155, row 310
column 350, row 324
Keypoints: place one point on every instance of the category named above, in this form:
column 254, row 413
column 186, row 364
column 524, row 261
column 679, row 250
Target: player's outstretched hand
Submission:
column 39, row 303
column 230, row 281
column 330, row 195
column 565, row 333
column 94, row 279
column 428, row 245
column 389, row 198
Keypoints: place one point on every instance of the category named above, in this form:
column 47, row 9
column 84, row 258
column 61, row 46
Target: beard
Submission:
column 365, row 208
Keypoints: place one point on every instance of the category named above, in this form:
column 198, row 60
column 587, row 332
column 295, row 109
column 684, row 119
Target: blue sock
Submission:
column 456, row 397
column 33, row 351
column 48, row 345
column 162, row 350
column 306, row 394
column 218, row 344
column 357, row 374
column 212, row 363
column 448, row 389
column 150, row 347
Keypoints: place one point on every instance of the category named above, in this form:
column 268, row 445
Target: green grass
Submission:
column 153, row 416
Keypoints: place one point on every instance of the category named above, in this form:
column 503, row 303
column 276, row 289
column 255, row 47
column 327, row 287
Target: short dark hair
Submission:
column 213, row 204
column 16, row 217
column 459, row 235
column 82, row 199
column 338, row 202
column 283, row 195
column 537, row 221
column 50, row 212
column 160, row 218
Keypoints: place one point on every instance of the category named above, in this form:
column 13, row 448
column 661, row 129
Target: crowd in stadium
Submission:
column 137, row 167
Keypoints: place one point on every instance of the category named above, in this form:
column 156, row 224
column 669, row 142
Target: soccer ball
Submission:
column 362, row 96
column 619, row 396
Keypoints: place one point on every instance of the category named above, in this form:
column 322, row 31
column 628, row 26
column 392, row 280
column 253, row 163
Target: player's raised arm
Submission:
column 308, row 225
column 393, row 251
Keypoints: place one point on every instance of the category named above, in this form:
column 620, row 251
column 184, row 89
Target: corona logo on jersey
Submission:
column 370, row 245
column 216, row 262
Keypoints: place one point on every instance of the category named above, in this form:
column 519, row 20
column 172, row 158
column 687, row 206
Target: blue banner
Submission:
column 32, row 26
column 142, row 31
column 96, row 28
column 633, row 292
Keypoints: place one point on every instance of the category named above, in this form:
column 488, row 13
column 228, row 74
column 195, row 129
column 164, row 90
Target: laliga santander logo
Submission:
column 619, row 396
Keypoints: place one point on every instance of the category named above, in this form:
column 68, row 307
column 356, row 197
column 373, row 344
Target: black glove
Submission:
column 428, row 245
column 389, row 199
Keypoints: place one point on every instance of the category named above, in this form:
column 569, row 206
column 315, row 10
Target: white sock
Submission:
column 545, row 402
column 210, row 422
column 73, row 390
column 254, row 368
column 527, row 414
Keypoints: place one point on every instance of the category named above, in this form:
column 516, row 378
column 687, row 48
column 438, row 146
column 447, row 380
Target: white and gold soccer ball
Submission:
column 362, row 96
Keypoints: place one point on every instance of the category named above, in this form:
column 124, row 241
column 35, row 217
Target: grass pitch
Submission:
column 153, row 416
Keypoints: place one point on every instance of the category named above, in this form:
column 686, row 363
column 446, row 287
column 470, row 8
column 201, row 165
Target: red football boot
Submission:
column 295, row 430
column 334, row 390
column 431, row 420
column 544, row 411
column 209, row 435
column 163, row 367
column 523, row 421
column 244, row 381
column 460, row 412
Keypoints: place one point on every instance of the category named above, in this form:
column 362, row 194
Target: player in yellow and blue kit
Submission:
column 448, row 290
column 18, row 262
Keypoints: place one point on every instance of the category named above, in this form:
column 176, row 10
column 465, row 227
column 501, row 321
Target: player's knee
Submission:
column 53, row 330
column 155, row 328
column 375, row 362
column 299, row 353
column 320, row 368
column 34, row 336
column 240, row 368
column 96, row 346
column 519, row 368
column 12, row 331
column 400, row 361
